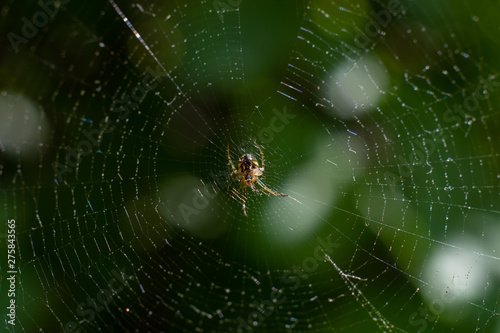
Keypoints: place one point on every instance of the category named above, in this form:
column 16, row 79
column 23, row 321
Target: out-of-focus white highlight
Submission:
column 188, row 204
column 317, row 185
column 456, row 275
column 23, row 126
column 357, row 88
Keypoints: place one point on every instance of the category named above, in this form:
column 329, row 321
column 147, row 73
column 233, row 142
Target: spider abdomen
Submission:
column 247, row 163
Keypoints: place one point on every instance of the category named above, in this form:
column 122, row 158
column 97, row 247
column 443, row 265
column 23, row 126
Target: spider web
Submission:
column 378, row 119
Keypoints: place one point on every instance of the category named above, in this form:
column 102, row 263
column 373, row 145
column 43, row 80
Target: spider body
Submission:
column 249, row 170
column 248, row 174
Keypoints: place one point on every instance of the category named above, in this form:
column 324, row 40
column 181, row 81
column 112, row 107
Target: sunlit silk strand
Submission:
column 138, row 36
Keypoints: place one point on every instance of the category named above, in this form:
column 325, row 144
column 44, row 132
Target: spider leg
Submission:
column 229, row 158
column 261, row 154
column 243, row 200
column 234, row 175
column 241, row 196
column 244, row 206
column 269, row 190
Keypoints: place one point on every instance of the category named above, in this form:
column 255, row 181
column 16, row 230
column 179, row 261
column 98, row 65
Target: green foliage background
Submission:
column 116, row 210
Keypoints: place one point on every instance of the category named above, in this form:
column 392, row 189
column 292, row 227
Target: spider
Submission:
column 247, row 174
